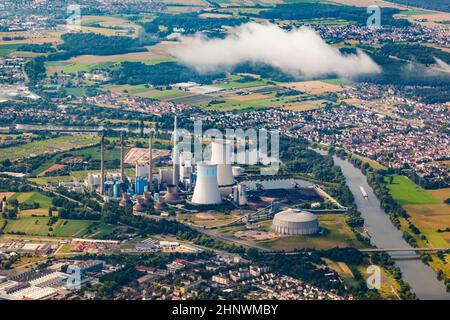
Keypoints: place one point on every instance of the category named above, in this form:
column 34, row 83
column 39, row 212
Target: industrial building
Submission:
column 295, row 222
column 32, row 285
column 115, row 185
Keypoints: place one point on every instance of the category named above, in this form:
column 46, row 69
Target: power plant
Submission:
column 208, row 182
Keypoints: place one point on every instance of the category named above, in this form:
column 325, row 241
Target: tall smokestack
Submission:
column 175, row 155
column 150, row 163
column 122, row 158
column 102, row 164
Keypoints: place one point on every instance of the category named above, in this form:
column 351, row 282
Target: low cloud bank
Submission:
column 299, row 52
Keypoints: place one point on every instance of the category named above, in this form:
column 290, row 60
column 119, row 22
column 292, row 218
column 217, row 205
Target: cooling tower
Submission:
column 221, row 155
column 125, row 201
column 139, row 205
column 206, row 189
column 171, row 195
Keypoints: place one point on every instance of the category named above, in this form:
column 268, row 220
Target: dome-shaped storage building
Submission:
column 295, row 222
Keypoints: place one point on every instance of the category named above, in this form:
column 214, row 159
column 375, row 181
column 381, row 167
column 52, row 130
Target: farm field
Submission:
column 47, row 146
column 433, row 220
column 28, row 225
column 45, row 180
column 406, row 192
column 87, row 63
column 7, row 195
column 367, row 3
column 429, row 218
column 306, row 105
column 38, row 226
column 427, row 19
column 6, row 49
column 92, row 152
column 31, row 37
column 54, row 167
column 32, row 197
column 313, row 87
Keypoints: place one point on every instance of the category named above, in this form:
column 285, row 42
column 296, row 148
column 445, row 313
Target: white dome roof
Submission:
column 294, row 215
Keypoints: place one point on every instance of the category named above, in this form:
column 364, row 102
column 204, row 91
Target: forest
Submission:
column 319, row 10
column 165, row 73
column 439, row 5
column 90, row 43
column 189, row 23
column 412, row 65
column 415, row 52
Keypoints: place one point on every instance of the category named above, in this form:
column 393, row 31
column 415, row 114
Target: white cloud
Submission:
column 299, row 52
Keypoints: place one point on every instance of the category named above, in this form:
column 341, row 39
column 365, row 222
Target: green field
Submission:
column 68, row 66
column 405, row 191
column 71, row 228
column 415, row 12
column 45, row 180
column 92, row 153
column 62, row 228
column 47, row 146
column 77, row 92
column 238, row 84
column 6, row 49
column 339, row 81
column 30, row 226
column 33, row 197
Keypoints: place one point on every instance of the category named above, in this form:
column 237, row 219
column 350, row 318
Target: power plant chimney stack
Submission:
column 102, row 164
column 122, row 158
column 150, row 163
column 175, row 156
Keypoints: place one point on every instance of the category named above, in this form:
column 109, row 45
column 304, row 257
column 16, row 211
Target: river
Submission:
column 419, row 276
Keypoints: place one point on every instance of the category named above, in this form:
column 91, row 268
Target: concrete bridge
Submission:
column 373, row 250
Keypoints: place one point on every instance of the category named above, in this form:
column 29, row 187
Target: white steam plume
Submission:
column 299, row 52
column 441, row 65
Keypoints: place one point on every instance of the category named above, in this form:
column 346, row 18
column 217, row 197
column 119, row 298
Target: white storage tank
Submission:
column 295, row 222
column 242, row 189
